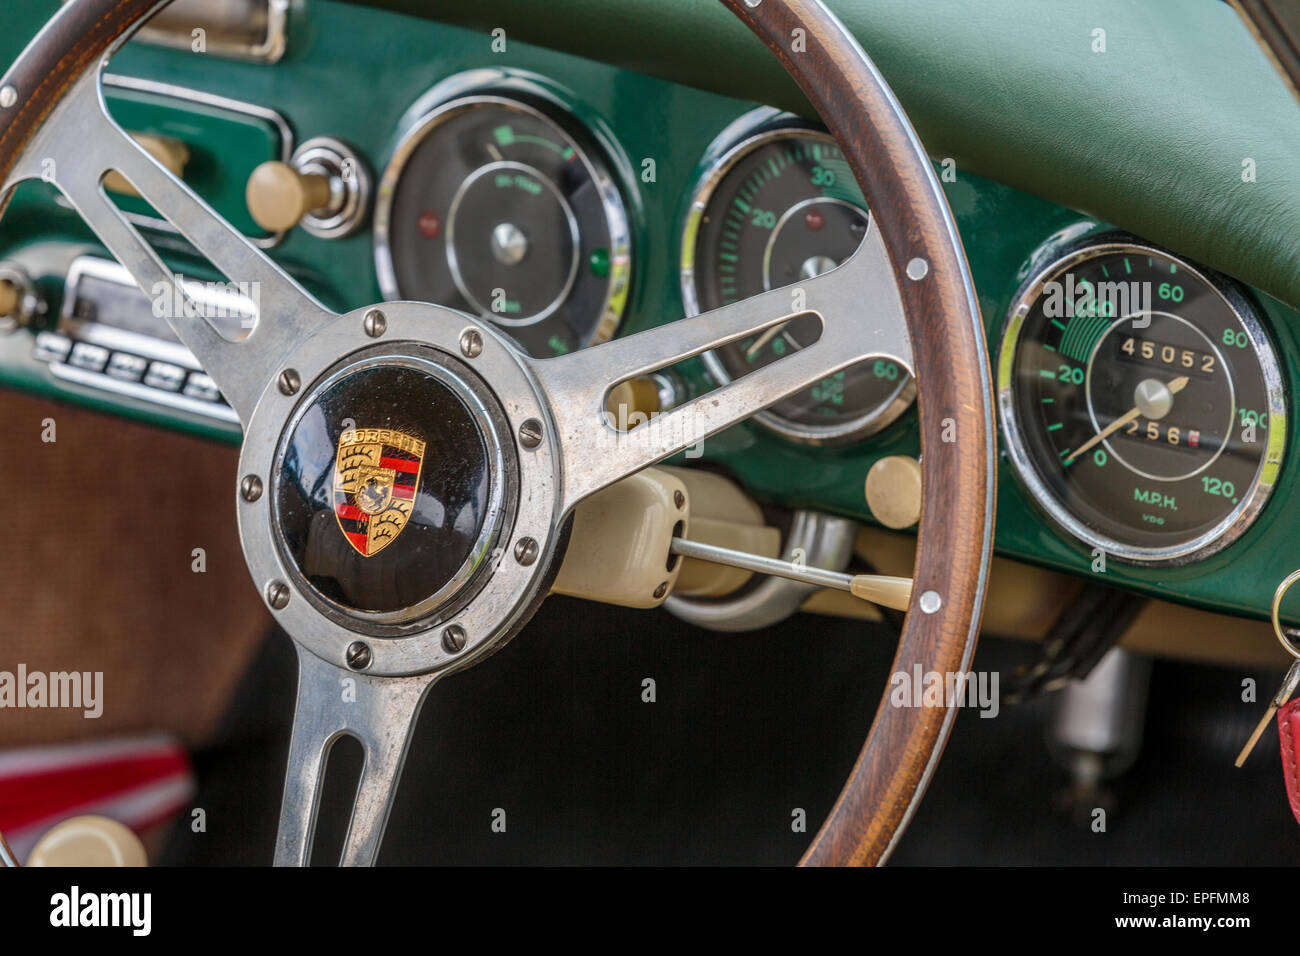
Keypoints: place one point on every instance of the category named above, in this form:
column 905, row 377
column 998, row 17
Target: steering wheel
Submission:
column 406, row 413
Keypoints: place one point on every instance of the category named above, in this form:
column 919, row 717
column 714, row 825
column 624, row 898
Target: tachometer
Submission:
column 496, row 206
column 778, row 207
column 1141, row 402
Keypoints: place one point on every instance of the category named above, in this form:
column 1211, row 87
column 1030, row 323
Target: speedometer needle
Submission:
column 1174, row 387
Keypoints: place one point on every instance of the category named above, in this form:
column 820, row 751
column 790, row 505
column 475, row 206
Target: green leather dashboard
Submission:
column 1049, row 137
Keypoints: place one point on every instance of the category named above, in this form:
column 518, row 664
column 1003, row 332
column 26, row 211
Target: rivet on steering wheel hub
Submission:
column 358, row 655
column 530, row 433
column 375, row 323
column 454, row 638
column 526, row 551
column 250, row 489
column 277, row 595
column 471, row 343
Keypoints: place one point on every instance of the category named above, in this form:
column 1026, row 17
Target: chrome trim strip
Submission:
column 154, row 397
column 269, row 50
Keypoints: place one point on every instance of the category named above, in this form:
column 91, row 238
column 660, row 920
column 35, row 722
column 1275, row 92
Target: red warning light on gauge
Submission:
column 430, row 224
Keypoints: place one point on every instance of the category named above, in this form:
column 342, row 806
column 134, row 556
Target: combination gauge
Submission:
column 503, row 206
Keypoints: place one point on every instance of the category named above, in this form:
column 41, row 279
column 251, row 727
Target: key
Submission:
column 1292, row 679
column 1285, row 693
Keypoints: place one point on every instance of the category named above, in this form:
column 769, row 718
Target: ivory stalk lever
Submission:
column 879, row 589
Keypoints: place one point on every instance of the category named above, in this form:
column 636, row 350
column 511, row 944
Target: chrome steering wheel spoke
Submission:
column 380, row 713
column 862, row 317
column 285, row 312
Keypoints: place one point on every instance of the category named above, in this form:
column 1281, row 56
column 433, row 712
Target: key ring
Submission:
column 1280, row 593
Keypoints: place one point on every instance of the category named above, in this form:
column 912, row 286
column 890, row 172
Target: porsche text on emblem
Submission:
column 376, row 474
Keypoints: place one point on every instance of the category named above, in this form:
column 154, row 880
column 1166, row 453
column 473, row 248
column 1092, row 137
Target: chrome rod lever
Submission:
column 891, row 592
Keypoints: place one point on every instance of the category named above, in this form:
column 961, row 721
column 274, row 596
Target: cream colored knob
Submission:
column 884, row 590
column 88, row 841
column 279, row 195
column 10, row 299
column 634, row 401
column 894, row 491
column 172, row 153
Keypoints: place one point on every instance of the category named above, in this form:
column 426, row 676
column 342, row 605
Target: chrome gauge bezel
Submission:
column 611, row 198
column 1236, row 522
column 727, row 151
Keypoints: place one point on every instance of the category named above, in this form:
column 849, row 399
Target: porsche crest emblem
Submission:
column 376, row 474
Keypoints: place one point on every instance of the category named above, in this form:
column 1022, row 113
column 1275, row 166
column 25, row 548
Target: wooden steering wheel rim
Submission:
column 955, row 408
column 954, row 397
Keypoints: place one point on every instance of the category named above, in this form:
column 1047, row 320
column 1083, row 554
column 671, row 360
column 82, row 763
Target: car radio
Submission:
column 112, row 336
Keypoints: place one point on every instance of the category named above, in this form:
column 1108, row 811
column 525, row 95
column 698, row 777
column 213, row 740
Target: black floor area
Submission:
column 745, row 729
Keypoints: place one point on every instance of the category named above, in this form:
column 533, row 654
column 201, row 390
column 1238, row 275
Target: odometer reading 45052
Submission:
column 1141, row 402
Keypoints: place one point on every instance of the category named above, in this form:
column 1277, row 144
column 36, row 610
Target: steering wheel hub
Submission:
column 399, row 490
column 393, row 487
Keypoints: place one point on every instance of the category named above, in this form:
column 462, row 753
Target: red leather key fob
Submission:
column 1288, row 729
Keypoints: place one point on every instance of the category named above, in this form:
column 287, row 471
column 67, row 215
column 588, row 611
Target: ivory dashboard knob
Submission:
column 88, row 841
column 894, row 491
column 635, row 396
column 20, row 300
column 639, row 399
column 10, row 299
column 171, row 153
column 280, row 195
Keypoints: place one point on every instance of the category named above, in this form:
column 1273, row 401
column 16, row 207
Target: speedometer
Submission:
column 1141, row 402
column 779, row 207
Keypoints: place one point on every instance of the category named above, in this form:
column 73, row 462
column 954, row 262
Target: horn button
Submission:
column 391, row 489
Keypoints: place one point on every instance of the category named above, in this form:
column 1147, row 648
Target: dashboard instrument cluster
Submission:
column 500, row 203
column 1142, row 398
